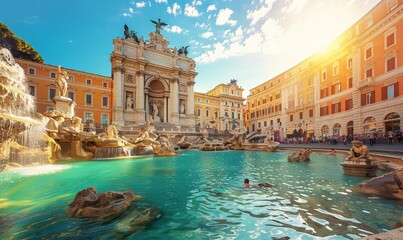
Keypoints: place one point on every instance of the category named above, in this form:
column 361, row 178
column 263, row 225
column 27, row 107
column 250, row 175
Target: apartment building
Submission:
column 91, row 93
column 220, row 107
column 353, row 86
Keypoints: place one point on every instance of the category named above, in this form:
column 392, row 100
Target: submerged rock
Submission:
column 137, row 221
column 389, row 185
column 89, row 204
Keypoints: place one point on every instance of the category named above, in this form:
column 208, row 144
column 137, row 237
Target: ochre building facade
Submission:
column 354, row 86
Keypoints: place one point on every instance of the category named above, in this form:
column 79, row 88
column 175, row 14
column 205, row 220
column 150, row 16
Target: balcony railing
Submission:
column 366, row 82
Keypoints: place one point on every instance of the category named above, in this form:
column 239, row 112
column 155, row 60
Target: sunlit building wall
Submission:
column 90, row 92
column 220, row 107
column 353, row 86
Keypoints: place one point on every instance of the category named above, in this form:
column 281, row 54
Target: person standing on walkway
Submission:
column 399, row 136
column 390, row 137
column 371, row 139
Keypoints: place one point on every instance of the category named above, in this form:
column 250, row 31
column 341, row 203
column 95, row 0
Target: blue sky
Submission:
column 248, row 40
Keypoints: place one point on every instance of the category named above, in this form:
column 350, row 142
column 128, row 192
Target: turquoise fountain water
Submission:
column 200, row 196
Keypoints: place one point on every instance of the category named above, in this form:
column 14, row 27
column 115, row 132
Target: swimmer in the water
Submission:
column 247, row 184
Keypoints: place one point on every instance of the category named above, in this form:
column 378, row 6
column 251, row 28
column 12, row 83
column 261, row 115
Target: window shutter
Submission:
column 396, row 89
column 333, row 89
column 384, row 93
column 333, row 108
column 372, row 97
column 363, row 99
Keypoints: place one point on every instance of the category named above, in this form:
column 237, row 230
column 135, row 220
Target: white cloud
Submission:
column 175, row 9
column 140, row 4
column 224, row 16
column 256, row 15
column 174, row 29
column 191, row 11
column 128, row 13
column 295, row 6
column 207, row 34
column 196, row 3
column 211, row 8
column 201, row 25
column 161, row 1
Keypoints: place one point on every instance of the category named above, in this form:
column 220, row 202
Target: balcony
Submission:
column 290, row 110
column 366, row 82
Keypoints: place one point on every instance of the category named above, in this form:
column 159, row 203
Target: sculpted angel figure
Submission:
column 158, row 25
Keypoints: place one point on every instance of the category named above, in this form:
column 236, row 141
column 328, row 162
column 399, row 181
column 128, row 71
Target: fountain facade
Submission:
column 22, row 139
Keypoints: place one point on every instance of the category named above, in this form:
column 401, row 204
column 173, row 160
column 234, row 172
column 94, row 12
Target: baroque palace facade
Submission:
column 150, row 82
column 355, row 86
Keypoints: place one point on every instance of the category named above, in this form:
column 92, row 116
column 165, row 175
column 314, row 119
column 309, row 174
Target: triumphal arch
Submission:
column 152, row 83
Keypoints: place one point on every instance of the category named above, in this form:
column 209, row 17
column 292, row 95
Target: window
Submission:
column 310, row 112
column 349, row 104
column 278, row 95
column 105, row 101
column 310, row 97
column 368, row 73
column 336, row 68
column 368, row 53
column 390, row 91
column 239, row 116
column 105, row 119
column 198, row 112
column 336, row 88
column 367, row 98
column 206, row 100
column 301, row 115
column 88, row 99
column 207, row 113
column 336, row 107
column 390, row 64
column 52, row 75
column 324, row 92
column 52, row 93
column 104, row 84
column 350, row 82
column 324, row 75
column 88, row 118
column 271, row 122
column 226, row 90
column 350, row 63
column 32, row 90
column 390, row 40
column 291, row 118
column 264, row 124
column 31, row 71
column 71, row 78
column 89, row 81
column 324, row 111
column 71, row 95
column 198, row 99
column 216, row 114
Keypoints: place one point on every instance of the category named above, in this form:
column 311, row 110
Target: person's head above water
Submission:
column 246, row 182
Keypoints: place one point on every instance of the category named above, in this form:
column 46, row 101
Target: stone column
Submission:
column 117, row 97
column 174, row 104
column 165, row 110
column 357, row 114
column 140, row 113
column 190, row 106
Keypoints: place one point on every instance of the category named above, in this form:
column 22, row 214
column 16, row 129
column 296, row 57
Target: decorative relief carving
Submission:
column 130, row 79
column 182, row 88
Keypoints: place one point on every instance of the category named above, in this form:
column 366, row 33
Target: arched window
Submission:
column 325, row 130
column 336, row 129
column 369, row 125
column 392, row 122
column 350, row 128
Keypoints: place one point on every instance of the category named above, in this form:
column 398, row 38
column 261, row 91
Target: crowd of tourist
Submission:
column 369, row 138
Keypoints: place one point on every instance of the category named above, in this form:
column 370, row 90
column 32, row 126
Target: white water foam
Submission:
column 39, row 170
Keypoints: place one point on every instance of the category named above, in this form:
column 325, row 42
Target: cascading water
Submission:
column 21, row 137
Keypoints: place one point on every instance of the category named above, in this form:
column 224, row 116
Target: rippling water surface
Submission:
column 200, row 196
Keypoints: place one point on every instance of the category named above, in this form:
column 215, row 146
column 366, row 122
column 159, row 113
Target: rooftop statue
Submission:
column 130, row 34
column 158, row 25
column 183, row 50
